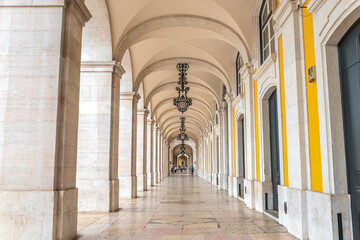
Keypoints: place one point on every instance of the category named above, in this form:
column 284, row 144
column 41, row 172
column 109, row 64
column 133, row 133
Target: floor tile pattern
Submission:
column 182, row 207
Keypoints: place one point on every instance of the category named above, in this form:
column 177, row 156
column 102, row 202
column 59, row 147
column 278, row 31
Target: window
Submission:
column 238, row 75
column 267, row 41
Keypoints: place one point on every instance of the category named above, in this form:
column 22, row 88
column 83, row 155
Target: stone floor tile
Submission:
column 272, row 236
column 181, row 207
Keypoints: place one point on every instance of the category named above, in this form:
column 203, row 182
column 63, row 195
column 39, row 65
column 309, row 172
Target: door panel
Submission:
column 349, row 60
column 274, row 147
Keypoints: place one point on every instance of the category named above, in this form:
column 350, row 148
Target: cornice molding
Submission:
column 283, row 12
column 270, row 61
column 238, row 100
column 314, row 5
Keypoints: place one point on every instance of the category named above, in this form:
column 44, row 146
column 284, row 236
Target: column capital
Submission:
column 79, row 6
column 228, row 97
column 249, row 66
column 144, row 112
column 102, row 66
column 222, row 111
column 130, row 96
column 118, row 69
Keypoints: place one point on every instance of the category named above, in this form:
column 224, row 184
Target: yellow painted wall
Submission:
column 312, row 103
column 182, row 158
column 257, row 131
column 283, row 112
column 234, row 120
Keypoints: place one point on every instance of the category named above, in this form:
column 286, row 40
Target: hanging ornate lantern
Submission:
column 182, row 135
column 182, row 102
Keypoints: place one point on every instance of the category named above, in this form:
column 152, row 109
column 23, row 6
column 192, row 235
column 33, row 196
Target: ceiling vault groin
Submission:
column 158, row 38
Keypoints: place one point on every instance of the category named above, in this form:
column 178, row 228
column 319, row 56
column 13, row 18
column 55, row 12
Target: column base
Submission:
column 38, row 214
column 215, row 180
column 158, row 177
column 249, row 197
column 223, row 181
column 133, row 186
column 327, row 206
column 145, row 182
column 114, row 195
column 238, row 187
column 209, row 177
column 153, row 176
column 230, row 185
column 260, row 188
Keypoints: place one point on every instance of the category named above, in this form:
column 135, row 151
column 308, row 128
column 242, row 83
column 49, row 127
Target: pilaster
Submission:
column 229, row 100
column 128, row 144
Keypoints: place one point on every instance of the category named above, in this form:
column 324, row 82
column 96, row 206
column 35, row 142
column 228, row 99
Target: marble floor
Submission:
column 181, row 207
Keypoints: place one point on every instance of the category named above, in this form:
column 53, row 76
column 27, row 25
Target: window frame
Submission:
column 266, row 24
column 239, row 89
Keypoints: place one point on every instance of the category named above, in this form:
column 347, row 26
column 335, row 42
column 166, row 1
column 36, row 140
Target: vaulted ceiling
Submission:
column 206, row 34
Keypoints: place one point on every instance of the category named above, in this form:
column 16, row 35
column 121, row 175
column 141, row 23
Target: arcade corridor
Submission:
column 101, row 99
column 181, row 207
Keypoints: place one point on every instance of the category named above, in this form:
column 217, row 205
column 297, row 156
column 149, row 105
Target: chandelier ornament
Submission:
column 182, row 135
column 182, row 102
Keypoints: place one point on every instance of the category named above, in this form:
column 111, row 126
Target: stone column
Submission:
column 160, row 156
column 156, row 173
column 224, row 163
column 118, row 71
column 203, row 156
column 150, row 153
column 229, row 100
column 141, row 149
column 153, row 155
column 164, row 159
column 168, row 161
column 127, row 144
column 39, row 106
column 97, row 173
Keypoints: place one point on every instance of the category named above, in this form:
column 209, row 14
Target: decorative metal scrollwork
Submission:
column 182, row 135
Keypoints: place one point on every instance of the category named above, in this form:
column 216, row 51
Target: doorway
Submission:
column 274, row 148
column 241, row 155
column 349, row 63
